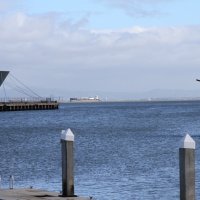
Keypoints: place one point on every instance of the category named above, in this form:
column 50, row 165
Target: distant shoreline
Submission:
column 137, row 100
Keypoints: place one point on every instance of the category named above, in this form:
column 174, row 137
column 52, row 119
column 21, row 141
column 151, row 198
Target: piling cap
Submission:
column 67, row 135
column 187, row 142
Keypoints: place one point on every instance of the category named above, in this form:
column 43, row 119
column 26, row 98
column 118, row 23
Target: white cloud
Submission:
column 47, row 53
column 3, row 5
column 137, row 8
column 10, row 5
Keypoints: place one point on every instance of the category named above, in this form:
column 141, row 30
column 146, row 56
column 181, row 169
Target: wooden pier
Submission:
column 33, row 101
column 33, row 194
column 28, row 105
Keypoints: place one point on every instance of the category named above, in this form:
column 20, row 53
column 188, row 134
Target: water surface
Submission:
column 122, row 150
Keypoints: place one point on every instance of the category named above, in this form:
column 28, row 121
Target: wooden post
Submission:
column 67, row 140
column 11, row 182
column 187, row 168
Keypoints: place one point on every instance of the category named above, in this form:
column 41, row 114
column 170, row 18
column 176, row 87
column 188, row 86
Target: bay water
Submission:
column 123, row 150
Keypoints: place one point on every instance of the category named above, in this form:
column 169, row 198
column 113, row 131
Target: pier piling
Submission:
column 11, row 182
column 67, row 140
column 187, row 168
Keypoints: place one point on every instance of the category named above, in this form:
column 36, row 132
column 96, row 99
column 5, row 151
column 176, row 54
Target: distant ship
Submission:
column 85, row 99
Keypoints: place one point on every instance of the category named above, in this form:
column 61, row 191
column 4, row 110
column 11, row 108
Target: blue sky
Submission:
column 102, row 14
column 111, row 48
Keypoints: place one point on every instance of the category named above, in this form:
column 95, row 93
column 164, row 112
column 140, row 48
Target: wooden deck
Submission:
column 28, row 105
column 33, row 194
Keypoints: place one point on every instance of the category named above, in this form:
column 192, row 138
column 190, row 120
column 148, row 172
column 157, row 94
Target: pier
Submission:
column 28, row 105
column 33, row 101
column 33, row 194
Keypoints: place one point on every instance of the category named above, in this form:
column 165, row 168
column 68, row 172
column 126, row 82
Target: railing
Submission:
column 16, row 100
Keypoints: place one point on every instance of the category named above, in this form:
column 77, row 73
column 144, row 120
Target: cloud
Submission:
column 10, row 5
column 56, row 55
column 137, row 8
column 5, row 5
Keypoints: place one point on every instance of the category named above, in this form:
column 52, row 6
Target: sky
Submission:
column 117, row 49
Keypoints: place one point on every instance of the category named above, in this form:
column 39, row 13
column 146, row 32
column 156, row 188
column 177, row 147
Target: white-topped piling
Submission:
column 187, row 168
column 11, row 182
column 67, row 140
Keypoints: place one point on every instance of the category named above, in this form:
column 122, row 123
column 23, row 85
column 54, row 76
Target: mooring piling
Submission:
column 11, row 182
column 67, row 140
column 187, row 168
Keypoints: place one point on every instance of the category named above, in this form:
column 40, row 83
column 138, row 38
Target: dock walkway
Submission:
column 33, row 194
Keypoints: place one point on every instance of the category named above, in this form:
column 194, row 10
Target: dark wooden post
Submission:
column 67, row 140
column 187, row 168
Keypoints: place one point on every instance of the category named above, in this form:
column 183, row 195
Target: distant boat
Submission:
column 85, row 99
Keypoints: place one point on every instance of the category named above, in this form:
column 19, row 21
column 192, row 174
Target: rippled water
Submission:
column 122, row 150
